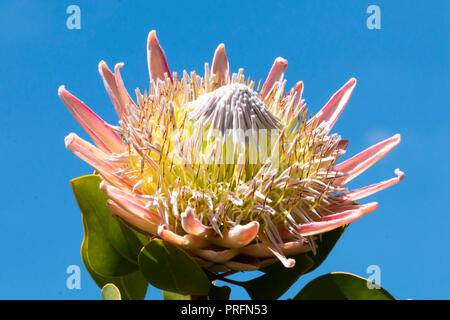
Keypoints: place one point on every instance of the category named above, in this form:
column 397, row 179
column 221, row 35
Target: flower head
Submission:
column 237, row 174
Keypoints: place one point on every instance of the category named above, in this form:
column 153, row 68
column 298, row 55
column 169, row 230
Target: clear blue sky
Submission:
column 403, row 86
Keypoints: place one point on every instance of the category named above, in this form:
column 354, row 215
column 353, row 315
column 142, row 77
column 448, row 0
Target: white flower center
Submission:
column 232, row 107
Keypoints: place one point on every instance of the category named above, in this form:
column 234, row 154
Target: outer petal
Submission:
column 298, row 90
column 246, row 265
column 292, row 104
column 89, row 154
column 216, row 256
column 193, row 226
column 343, row 144
column 216, row 268
column 238, row 236
column 362, row 161
column 188, row 241
column 260, row 250
column 287, row 263
column 276, row 74
column 157, row 63
column 369, row 190
column 139, row 222
column 334, row 221
column 124, row 97
column 72, row 139
column 104, row 137
column 240, row 266
column 204, row 263
column 220, row 65
column 109, row 80
column 129, row 203
column 267, row 262
column 333, row 108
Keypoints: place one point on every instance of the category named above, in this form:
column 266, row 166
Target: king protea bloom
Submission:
column 235, row 173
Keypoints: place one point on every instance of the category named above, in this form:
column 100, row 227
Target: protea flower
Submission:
column 236, row 174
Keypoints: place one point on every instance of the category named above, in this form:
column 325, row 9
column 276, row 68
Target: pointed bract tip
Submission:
column 298, row 88
column 61, row 90
column 156, row 59
column 394, row 140
column 369, row 207
column 118, row 66
column 220, row 66
column 69, row 139
column 220, row 47
column 281, row 61
column 350, row 85
column 102, row 66
column 400, row 174
column 220, row 52
column 152, row 40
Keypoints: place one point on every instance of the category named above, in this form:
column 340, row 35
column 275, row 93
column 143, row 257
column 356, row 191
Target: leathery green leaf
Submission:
column 111, row 292
column 132, row 286
column 277, row 279
column 169, row 268
column 111, row 247
column 342, row 286
column 167, row 295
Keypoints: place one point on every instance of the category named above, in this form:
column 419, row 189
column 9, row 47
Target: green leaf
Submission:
column 132, row 286
column 111, row 248
column 102, row 232
column 329, row 240
column 215, row 293
column 219, row 293
column 111, row 292
column 277, row 279
column 167, row 295
column 341, row 286
column 169, row 268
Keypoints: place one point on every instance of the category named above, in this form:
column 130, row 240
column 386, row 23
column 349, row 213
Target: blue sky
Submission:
column 403, row 84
